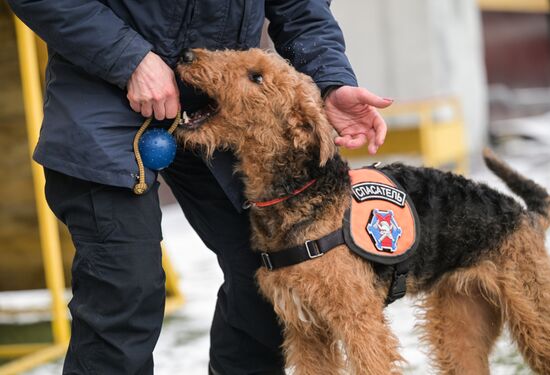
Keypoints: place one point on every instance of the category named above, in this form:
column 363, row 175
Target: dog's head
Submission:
column 258, row 102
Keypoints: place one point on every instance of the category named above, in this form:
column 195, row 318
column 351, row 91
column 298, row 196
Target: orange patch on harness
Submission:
column 381, row 224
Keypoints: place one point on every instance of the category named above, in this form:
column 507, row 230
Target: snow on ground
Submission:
column 184, row 342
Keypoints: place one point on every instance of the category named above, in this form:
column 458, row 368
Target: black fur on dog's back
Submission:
column 461, row 221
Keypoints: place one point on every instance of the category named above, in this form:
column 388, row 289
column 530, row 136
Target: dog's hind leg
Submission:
column 462, row 321
column 525, row 280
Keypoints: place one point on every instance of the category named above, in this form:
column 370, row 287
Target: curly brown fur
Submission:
column 481, row 260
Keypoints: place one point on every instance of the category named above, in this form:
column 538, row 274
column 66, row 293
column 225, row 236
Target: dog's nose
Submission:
column 187, row 56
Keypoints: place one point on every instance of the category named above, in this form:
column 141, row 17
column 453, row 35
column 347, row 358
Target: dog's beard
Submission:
column 203, row 141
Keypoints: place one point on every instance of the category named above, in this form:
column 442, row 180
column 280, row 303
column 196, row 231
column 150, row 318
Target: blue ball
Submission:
column 157, row 148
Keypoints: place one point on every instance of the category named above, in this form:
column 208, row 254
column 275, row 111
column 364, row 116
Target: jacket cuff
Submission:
column 128, row 59
column 326, row 87
column 327, row 90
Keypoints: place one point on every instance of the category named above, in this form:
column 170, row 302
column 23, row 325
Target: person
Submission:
column 110, row 65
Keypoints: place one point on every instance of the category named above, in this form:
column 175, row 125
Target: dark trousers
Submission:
column 118, row 281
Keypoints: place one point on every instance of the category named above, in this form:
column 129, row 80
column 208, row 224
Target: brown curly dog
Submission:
column 481, row 261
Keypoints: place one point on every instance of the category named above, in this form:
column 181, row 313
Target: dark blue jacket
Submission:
column 95, row 45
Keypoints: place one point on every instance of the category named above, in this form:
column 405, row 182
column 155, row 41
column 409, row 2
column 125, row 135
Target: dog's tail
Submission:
column 535, row 196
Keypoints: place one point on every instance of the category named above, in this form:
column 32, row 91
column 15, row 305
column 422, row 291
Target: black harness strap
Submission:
column 312, row 249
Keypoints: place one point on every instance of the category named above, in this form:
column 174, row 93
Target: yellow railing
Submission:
column 432, row 129
column 31, row 355
column 533, row 6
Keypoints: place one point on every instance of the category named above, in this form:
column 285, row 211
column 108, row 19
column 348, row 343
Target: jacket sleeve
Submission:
column 306, row 33
column 86, row 33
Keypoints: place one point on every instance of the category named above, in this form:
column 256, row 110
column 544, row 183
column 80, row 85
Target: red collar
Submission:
column 247, row 204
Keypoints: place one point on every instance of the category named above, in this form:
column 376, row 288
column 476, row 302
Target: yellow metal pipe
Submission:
column 438, row 142
column 525, row 6
column 32, row 360
column 426, row 123
column 173, row 303
column 174, row 297
column 49, row 234
column 18, row 350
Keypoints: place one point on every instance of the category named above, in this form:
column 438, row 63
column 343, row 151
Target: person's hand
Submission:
column 152, row 89
column 352, row 112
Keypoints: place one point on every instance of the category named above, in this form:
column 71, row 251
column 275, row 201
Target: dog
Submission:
column 480, row 262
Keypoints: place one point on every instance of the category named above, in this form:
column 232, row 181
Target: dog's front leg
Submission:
column 309, row 346
column 329, row 303
column 345, row 296
column 312, row 350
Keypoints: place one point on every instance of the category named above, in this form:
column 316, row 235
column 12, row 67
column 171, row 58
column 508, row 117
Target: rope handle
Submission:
column 141, row 186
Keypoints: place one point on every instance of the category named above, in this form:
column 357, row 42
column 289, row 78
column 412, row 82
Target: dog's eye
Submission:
column 256, row 77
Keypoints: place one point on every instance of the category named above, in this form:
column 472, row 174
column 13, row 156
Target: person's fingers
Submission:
column 357, row 141
column 371, row 140
column 136, row 106
column 159, row 110
column 380, row 129
column 364, row 96
column 354, row 129
column 152, row 88
column 342, row 141
column 373, row 146
column 146, row 109
column 373, row 149
column 351, row 141
column 172, row 103
column 339, row 141
column 172, row 106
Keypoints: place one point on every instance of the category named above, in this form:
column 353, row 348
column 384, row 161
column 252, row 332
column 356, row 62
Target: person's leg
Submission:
column 245, row 335
column 117, row 278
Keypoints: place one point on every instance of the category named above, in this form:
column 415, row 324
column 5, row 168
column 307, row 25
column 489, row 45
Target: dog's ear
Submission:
column 309, row 125
column 326, row 134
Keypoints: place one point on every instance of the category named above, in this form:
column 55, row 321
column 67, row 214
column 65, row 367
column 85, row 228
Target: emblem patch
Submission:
column 384, row 230
column 373, row 190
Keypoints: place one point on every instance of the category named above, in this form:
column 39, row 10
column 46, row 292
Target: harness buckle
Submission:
column 312, row 249
column 398, row 286
column 267, row 262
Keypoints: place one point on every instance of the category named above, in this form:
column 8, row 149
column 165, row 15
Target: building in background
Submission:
column 493, row 54
column 414, row 50
column 517, row 56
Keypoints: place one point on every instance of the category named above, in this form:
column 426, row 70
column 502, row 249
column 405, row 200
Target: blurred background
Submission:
column 464, row 74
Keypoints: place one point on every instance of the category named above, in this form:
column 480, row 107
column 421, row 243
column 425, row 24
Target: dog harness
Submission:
column 381, row 226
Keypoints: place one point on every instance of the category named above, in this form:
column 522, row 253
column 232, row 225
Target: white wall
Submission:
column 414, row 49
